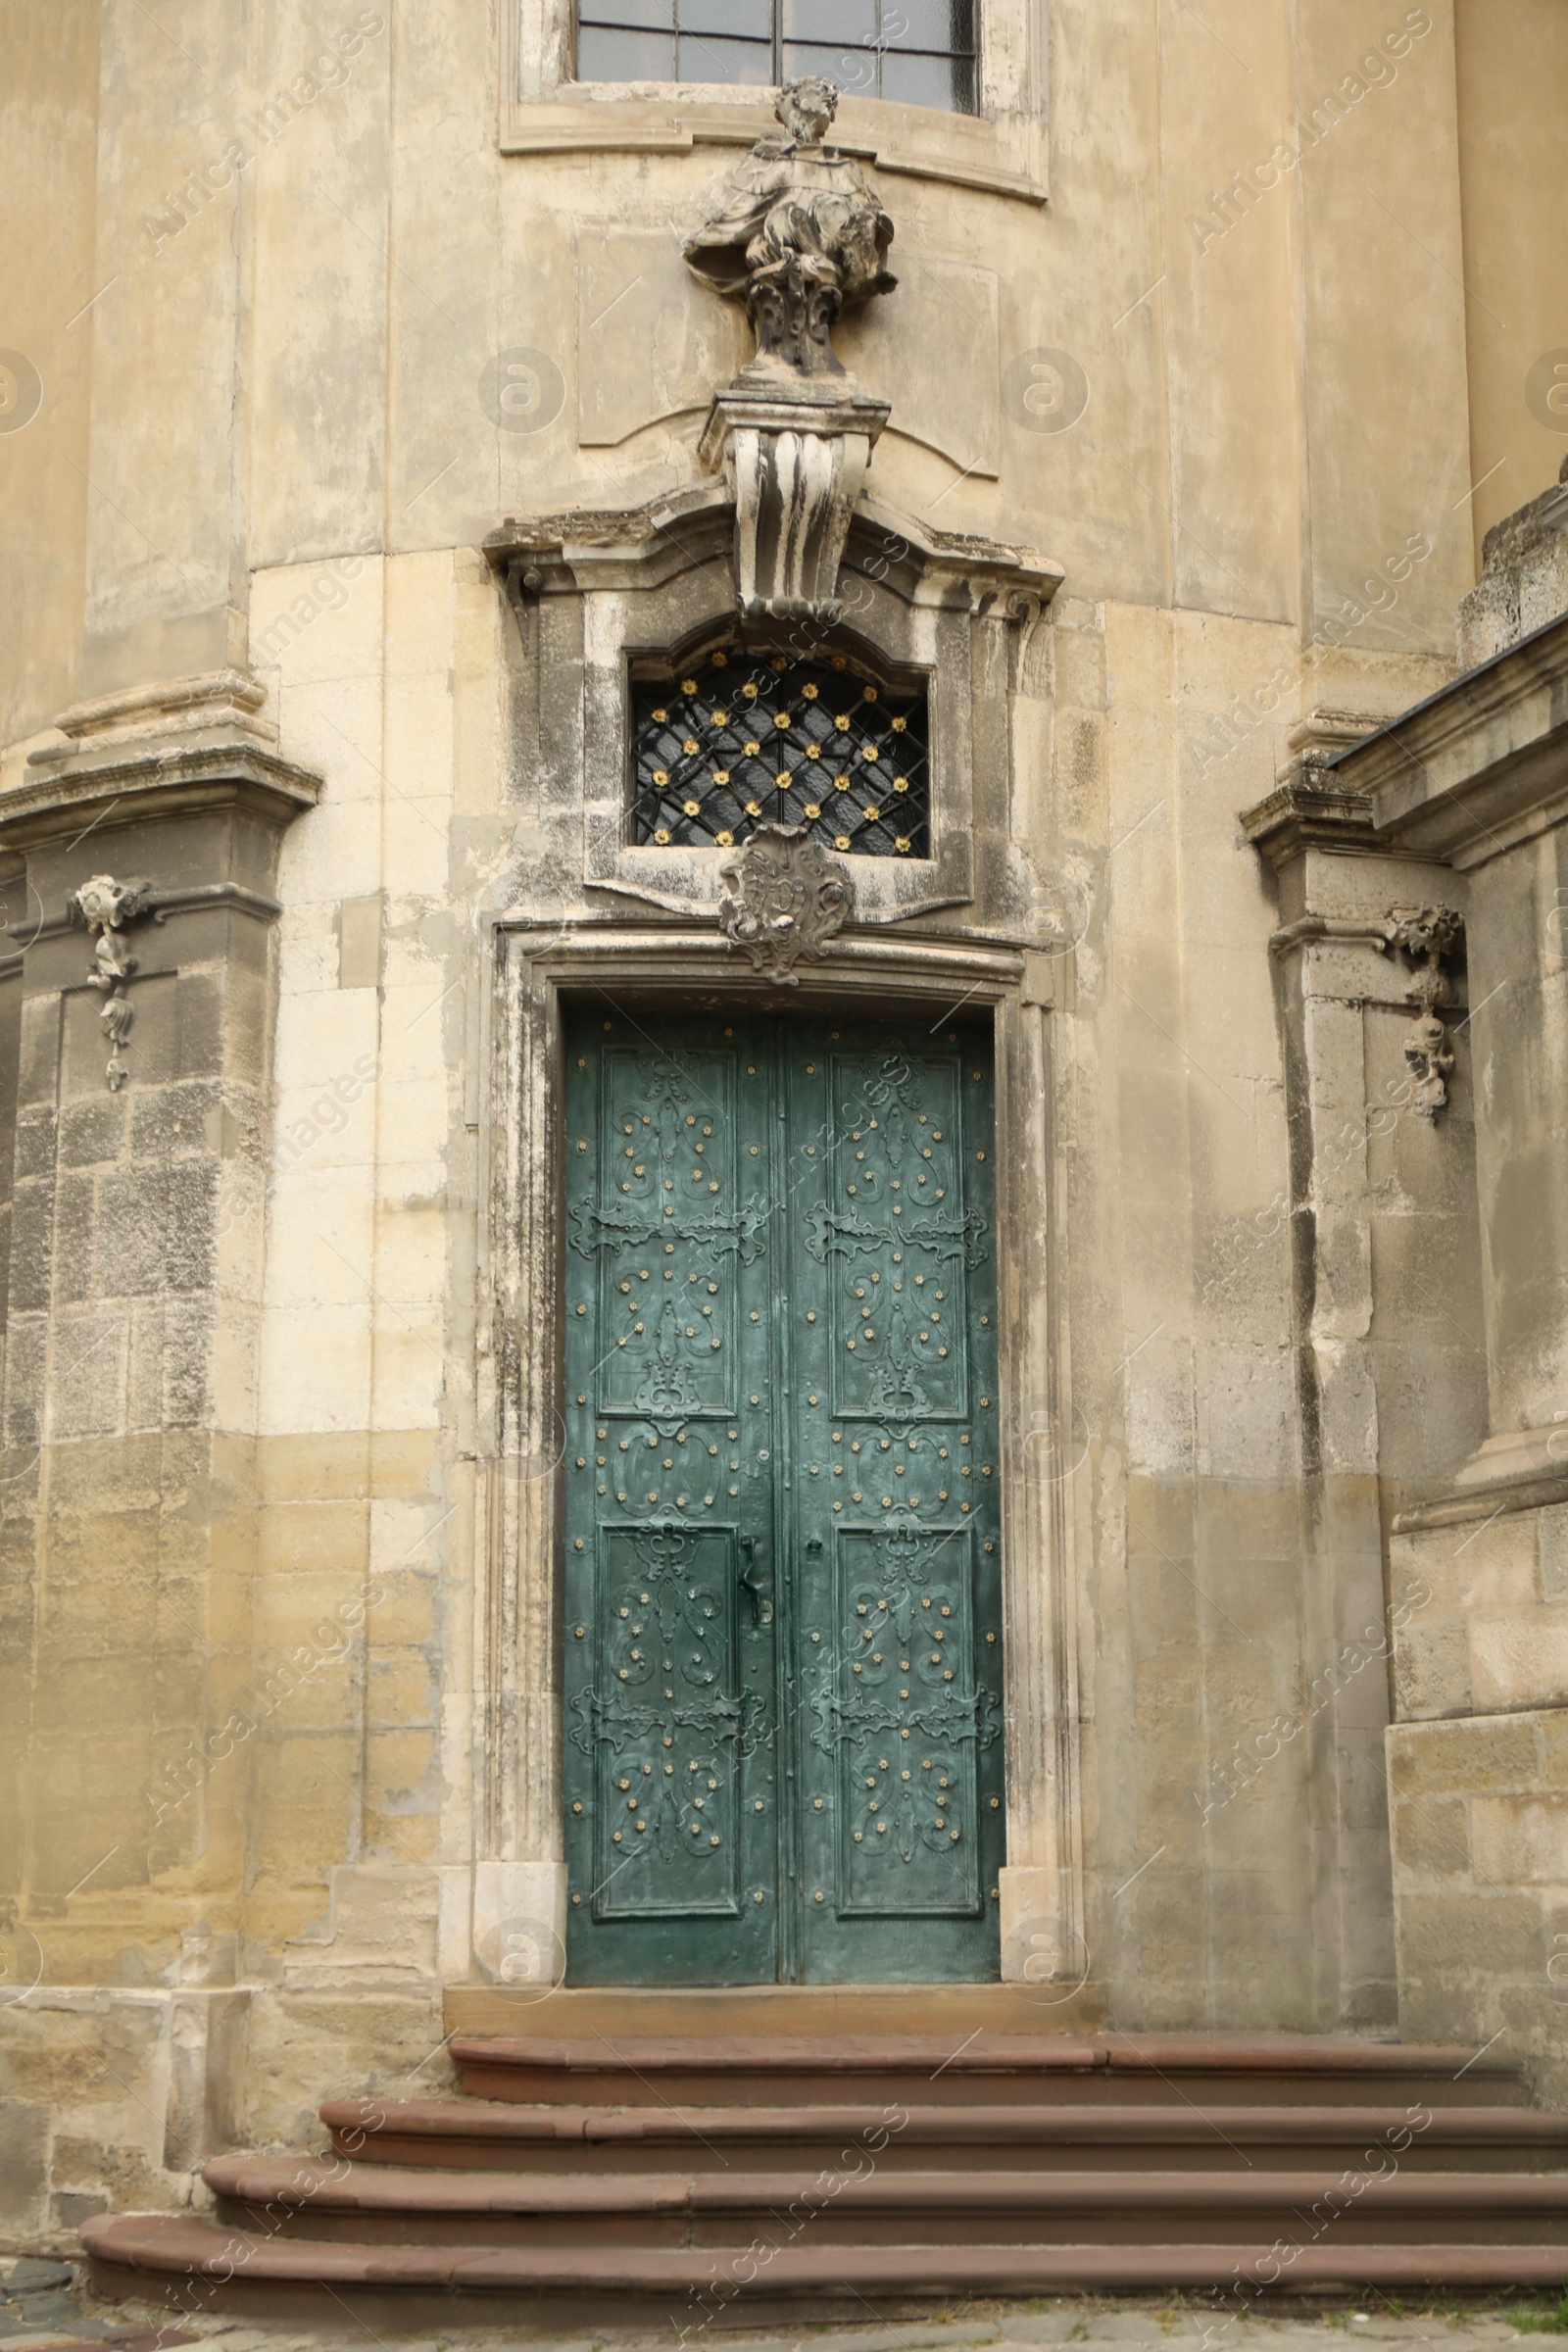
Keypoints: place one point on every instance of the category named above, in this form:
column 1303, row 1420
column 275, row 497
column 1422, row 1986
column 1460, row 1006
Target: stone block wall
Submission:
column 1478, row 1787
column 113, row 2097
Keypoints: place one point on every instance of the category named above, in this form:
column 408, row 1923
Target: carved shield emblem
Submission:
column 785, row 898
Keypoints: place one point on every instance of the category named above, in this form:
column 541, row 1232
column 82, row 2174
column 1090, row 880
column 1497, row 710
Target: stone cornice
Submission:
column 1476, row 768
column 1311, row 930
column 77, row 787
column 1457, row 1509
column 1523, row 1470
column 1298, row 815
column 213, row 698
column 159, row 904
column 949, row 561
column 640, row 547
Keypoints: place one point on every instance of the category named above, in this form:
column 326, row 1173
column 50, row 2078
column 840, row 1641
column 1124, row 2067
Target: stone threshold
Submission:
column 811, row 2011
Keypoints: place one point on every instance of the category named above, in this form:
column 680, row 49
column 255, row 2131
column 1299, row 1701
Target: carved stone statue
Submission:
column 800, row 234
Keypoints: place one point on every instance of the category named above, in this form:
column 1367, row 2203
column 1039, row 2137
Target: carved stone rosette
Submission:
column 785, row 900
column 104, row 905
column 1425, row 936
column 796, row 235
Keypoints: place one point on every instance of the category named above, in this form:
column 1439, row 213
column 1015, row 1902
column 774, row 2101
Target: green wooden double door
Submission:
column 782, row 1594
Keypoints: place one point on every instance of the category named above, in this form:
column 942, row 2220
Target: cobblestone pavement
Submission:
column 45, row 2307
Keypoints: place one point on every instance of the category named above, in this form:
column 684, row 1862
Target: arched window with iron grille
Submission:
column 730, row 739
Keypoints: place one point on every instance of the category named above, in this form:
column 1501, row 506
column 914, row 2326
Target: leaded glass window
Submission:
column 918, row 52
column 738, row 739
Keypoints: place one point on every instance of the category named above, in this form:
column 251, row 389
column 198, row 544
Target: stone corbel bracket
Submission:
column 1427, row 937
column 795, row 472
column 104, row 907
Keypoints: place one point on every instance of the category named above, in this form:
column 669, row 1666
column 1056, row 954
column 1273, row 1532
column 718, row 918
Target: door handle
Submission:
column 756, row 1582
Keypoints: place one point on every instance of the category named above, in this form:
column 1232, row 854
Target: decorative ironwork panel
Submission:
column 897, row 1238
column 669, row 1545
column 740, row 740
column 666, row 1231
column 783, row 1668
column 664, row 1722
column 898, row 1593
column 904, row 1722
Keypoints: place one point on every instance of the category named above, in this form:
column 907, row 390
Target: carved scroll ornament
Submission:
column 105, row 906
column 785, row 900
column 1426, row 936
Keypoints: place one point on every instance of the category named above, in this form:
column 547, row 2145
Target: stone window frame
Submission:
column 594, row 592
column 888, row 628
column 1002, row 148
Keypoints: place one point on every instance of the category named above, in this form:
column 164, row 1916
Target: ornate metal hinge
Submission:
column 957, row 1716
column 619, row 1227
column 725, row 1717
column 944, row 1237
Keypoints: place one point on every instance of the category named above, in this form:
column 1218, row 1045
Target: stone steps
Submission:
column 142, row 2254
column 599, row 2177
column 504, row 2136
column 374, row 2204
column 732, row 2070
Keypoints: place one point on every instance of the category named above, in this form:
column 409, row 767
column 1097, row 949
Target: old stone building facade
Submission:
column 856, row 714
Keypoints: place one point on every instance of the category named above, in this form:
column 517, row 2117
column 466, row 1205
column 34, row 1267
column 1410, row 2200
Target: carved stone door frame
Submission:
column 536, row 967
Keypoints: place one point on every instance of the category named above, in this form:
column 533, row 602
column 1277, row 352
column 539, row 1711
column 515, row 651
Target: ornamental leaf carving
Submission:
column 1427, row 937
column 104, row 905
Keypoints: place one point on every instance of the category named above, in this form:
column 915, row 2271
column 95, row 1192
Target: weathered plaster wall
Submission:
column 48, row 187
column 1511, row 69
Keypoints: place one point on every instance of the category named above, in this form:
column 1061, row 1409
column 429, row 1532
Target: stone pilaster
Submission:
column 1478, row 1750
column 142, row 853
column 1382, row 1217
column 1476, row 778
